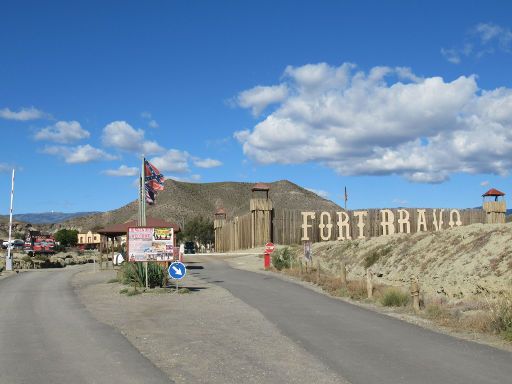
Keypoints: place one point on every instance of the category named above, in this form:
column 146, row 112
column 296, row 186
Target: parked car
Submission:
column 190, row 247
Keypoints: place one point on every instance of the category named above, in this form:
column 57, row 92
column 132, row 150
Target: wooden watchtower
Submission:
column 218, row 222
column 494, row 206
column 261, row 215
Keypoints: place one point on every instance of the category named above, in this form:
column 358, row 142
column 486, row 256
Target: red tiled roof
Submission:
column 260, row 187
column 493, row 192
column 121, row 229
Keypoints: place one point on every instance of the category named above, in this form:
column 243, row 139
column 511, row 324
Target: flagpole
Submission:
column 8, row 261
column 143, row 194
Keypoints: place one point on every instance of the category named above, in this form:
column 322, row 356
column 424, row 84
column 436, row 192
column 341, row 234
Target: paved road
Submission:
column 360, row 345
column 47, row 337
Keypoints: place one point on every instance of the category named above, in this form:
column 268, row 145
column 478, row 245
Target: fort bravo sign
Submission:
column 390, row 221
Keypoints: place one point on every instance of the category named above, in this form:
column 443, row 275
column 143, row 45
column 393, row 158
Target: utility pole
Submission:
column 8, row 261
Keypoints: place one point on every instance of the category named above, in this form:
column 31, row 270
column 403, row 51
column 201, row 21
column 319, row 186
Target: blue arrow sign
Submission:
column 177, row 270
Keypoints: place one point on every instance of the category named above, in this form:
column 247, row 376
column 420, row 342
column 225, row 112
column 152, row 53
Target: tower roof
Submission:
column 260, row 187
column 493, row 192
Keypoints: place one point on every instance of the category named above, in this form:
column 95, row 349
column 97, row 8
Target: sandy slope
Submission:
column 454, row 263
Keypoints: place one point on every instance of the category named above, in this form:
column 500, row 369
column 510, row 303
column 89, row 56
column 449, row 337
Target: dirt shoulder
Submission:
column 206, row 336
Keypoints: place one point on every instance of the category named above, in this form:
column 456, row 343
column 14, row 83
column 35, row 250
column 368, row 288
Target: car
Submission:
column 190, row 247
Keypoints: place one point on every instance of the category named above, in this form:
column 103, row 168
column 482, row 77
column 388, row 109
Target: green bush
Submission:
column 374, row 256
column 133, row 292
column 281, row 258
column 124, row 290
column 394, row 298
column 135, row 274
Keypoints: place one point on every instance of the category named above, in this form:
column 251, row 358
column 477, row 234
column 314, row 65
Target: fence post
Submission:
column 369, row 283
column 415, row 293
column 318, row 271
column 343, row 273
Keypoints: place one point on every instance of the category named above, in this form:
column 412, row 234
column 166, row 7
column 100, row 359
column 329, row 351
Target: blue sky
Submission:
column 406, row 103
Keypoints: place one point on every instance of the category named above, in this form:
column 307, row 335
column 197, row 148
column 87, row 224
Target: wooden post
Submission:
column 369, row 283
column 343, row 273
column 301, row 271
column 415, row 293
column 318, row 272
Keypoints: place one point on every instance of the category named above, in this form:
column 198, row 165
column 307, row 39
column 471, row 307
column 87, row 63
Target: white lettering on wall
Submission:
column 360, row 222
column 387, row 222
column 325, row 216
column 305, row 225
column 438, row 223
column 422, row 221
column 403, row 221
column 454, row 212
column 343, row 226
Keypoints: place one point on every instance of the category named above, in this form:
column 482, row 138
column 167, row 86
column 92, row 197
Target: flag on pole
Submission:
column 346, row 195
column 153, row 181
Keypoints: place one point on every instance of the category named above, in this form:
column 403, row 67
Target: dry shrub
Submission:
column 393, row 297
column 500, row 313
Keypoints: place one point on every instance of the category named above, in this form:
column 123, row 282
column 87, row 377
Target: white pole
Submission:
column 143, row 194
column 8, row 261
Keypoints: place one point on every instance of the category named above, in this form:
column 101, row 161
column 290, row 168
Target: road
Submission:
column 360, row 345
column 47, row 337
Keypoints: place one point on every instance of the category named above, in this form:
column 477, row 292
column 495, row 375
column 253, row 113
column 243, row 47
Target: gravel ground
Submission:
column 206, row 336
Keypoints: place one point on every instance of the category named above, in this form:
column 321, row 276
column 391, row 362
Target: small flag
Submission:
column 346, row 195
column 153, row 181
column 150, row 195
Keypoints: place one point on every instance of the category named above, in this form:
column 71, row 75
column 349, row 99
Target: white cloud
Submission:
column 259, row 97
column 380, row 123
column 123, row 170
column 484, row 183
column 23, row 114
column 207, row 163
column 482, row 39
column 5, row 168
column 172, row 161
column 151, row 122
column 79, row 154
column 63, row 132
column 121, row 135
column 319, row 192
column 400, row 202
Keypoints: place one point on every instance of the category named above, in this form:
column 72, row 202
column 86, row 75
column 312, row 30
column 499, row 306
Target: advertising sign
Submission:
column 150, row 244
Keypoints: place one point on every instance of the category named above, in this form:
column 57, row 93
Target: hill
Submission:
column 48, row 217
column 180, row 202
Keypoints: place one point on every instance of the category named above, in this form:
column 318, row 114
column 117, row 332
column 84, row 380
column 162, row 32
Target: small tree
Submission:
column 67, row 237
column 199, row 229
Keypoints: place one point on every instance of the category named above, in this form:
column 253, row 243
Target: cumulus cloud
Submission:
column 173, row 160
column 121, row 135
column 259, row 97
column 484, row 183
column 23, row 114
column 207, row 163
column 123, row 170
column 151, row 122
column 79, row 154
column 63, row 132
column 386, row 121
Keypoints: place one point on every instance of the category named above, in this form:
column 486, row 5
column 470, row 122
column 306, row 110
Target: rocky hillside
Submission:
column 463, row 262
column 181, row 201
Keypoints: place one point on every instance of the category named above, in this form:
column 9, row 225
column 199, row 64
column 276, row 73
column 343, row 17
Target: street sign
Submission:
column 269, row 248
column 177, row 270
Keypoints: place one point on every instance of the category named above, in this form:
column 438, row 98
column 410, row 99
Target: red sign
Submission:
column 269, row 248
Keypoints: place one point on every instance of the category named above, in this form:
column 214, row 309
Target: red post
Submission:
column 266, row 260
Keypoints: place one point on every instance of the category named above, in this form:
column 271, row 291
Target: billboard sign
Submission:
column 150, row 244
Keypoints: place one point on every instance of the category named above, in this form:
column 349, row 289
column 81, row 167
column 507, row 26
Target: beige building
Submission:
column 89, row 239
